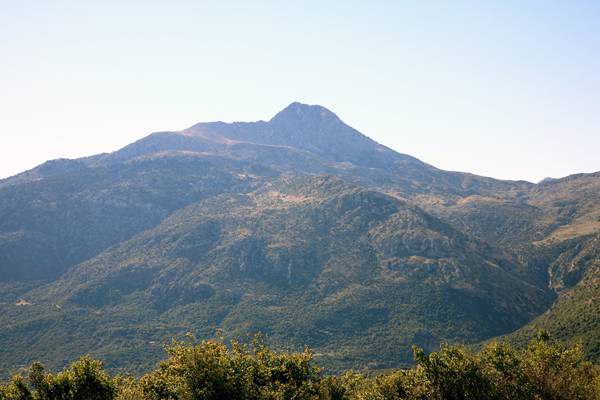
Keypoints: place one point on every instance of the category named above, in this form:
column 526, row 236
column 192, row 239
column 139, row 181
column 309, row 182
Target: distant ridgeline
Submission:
column 299, row 227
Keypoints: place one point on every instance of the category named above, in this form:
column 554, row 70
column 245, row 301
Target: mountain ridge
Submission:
column 220, row 225
column 219, row 138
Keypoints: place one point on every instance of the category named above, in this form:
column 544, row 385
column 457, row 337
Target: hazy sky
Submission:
column 498, row 88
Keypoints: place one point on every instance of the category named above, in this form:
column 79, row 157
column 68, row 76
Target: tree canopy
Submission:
column 218, row 370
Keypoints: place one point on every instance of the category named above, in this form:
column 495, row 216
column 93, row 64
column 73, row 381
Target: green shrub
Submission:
column 214, row 370
column 210, row 370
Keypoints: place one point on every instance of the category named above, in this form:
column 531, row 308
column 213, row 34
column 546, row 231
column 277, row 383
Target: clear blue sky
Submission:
column 498, row 88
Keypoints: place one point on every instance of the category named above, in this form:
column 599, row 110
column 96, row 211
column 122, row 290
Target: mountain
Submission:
column 299, row 227
column 55, row 220
column 65, row 211
column 303, row 260
column 300, row 139
column 554, row 229
column 575, row 315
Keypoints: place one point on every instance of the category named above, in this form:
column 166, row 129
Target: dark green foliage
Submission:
column 84, row 379
column 309, row 261
column 454, row 374
column 212, row 370
column 575, row 315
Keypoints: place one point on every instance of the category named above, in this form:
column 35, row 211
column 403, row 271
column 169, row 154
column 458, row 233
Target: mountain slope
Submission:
column 553, row 229
column 304, row 260
column 66, row 211
column 575, row 316
column 49, row 225
column 300, row 227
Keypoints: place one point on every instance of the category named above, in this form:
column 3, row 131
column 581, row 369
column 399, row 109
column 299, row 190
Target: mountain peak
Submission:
column 297, row 111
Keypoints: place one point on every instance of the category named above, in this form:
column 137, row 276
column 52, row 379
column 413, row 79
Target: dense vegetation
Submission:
column 306, row 260
column 575, row 316
column 300, row 227
column 213, row 370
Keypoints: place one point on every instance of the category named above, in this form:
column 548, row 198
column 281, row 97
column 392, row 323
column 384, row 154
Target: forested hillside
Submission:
column 303, row 260
column 299, row 227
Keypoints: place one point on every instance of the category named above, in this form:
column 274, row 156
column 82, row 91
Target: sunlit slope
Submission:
column 354, row 273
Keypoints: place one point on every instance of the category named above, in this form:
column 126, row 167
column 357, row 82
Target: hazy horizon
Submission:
column 509, row 90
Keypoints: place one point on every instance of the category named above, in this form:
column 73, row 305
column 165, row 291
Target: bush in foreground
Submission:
column 213, row 370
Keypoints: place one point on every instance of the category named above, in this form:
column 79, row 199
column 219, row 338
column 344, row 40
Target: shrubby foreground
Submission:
column 215, row 370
